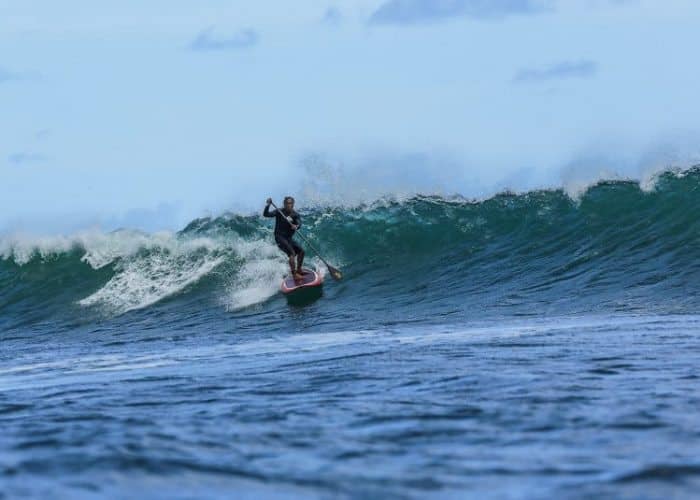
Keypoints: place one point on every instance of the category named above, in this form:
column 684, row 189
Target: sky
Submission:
column 147, row 114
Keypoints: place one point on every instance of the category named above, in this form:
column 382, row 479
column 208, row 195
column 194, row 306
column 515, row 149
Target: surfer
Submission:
column 287, row 221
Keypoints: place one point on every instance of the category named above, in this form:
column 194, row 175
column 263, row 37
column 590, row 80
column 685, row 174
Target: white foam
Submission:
column 146, row 280
column 259, row 277
column 21, row 249
column 151, row 267
column 174, row 264
column 100, row 249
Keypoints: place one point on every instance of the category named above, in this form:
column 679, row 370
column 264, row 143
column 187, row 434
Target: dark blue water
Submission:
column 527, row 346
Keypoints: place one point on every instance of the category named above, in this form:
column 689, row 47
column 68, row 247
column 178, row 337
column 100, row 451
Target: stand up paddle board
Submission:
column 310, row 279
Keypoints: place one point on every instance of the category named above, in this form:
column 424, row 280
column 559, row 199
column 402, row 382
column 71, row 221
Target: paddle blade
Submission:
column 337, row 275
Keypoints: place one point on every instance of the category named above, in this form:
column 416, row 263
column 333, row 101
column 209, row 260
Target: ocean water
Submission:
column 525, row 346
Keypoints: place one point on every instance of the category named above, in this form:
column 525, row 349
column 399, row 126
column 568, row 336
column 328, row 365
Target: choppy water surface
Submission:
column 527, row 346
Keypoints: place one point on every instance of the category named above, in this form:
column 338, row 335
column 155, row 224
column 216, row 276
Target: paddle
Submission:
column 337, row 275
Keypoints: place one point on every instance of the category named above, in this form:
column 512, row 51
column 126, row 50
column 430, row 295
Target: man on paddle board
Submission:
column 287, row 221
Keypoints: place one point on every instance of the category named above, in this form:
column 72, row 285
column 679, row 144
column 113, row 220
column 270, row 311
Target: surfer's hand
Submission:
column 268, row 201
column 295, row 227
column 289, row 219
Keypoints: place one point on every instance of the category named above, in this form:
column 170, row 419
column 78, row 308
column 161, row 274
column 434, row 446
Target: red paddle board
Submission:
column 310, row 279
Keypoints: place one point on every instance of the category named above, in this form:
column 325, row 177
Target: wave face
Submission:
column 618, row 248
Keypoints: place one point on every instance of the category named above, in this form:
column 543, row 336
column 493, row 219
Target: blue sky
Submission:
column 150, row 113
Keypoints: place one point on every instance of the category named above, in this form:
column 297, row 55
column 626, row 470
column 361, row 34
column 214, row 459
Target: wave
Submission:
column 615, row 247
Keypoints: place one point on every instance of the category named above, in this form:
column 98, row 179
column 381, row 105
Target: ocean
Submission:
column 528, row 345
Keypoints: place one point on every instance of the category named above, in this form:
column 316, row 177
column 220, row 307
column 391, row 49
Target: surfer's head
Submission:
column 288, row 203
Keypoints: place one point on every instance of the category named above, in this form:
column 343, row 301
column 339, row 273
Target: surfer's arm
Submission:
column 267, row 213
column 296, row 222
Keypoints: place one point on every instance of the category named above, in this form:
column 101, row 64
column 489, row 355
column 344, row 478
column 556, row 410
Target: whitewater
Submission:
column 532, row 344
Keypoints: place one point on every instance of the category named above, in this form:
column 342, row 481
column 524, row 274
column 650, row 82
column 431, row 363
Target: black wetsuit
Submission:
column 284, row 231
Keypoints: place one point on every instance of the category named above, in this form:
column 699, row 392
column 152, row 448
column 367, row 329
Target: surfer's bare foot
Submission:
column 298, row 276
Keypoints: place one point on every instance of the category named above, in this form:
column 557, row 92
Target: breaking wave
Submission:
column 616, row 247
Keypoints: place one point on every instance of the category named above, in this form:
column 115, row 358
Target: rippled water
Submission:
column 576, row 407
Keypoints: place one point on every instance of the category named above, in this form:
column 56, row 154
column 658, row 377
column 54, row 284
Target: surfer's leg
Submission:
column 300, row 255
column 287, row 247
column 300, row 260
